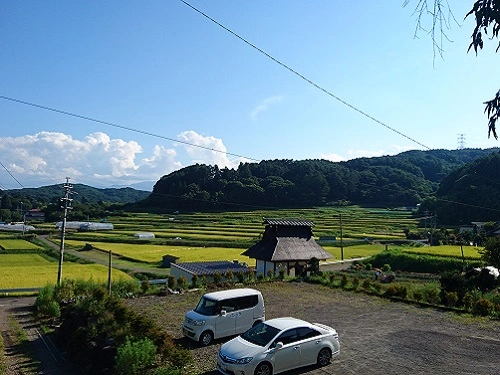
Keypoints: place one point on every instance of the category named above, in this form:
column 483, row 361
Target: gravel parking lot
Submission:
column 377, row 336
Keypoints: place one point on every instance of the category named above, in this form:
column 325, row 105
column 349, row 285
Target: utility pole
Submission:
column 66, row 206
column 341, row 239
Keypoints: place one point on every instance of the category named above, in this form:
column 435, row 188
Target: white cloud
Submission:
column 354, row 154
column 264, row 106
column 332, row 157
column 47, row 158
column 393, row 150
column 207, row 150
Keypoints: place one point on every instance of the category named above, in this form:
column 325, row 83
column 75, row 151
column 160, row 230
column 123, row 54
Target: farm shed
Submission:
column 286, row 244
column 207, row 269
column 144, row 235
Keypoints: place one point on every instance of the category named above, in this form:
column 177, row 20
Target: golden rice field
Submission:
column 447, row 250
column 18, row 244
column 34, row 271
column 154, row 253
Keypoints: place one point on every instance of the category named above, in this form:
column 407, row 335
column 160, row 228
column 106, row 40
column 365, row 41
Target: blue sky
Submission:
column 162, row 72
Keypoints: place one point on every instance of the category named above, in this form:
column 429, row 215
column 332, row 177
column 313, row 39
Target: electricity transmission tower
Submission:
column 461, row 141
column 66, row 206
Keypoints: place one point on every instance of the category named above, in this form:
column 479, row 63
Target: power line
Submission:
column 304, row 77
column 119, row 126
column 11, row 175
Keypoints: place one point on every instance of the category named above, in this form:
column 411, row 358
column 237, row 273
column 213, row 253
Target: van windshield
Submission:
column 207, row 307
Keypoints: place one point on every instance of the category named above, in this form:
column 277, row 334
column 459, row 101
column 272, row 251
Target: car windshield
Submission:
column 261, row 334
column 207, row 307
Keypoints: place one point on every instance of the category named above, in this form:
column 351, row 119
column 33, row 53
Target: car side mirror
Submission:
column 223, row 312
column 279, row 345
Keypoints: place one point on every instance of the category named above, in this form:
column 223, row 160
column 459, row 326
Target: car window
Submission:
column 307, row 333
column 287, row 337
column 228, row 305
column 207, row 307
column 261, row 334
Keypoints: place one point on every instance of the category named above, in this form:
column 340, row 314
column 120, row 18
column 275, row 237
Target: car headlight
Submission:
column 199, row 323
column 243, row 361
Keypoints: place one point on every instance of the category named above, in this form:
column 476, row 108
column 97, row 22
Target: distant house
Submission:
column 286, row 244
column 206, row 269
column 34, row 214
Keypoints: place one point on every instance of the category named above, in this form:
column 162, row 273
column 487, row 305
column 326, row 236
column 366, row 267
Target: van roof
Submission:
column 231, row 293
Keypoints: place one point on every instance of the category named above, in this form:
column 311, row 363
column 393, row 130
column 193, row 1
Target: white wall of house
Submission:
column 177, row 272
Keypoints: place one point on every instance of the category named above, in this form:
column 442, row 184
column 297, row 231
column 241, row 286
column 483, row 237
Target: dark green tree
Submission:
column 491, row 252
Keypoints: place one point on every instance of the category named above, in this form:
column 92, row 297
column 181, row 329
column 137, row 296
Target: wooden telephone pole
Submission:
column 66, row 206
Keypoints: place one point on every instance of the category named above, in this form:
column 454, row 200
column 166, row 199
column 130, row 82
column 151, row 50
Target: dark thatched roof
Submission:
column 287, row 240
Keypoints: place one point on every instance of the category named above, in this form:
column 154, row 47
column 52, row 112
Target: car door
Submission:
column 288, row 356
column 225, row 323
column 310, row 344
column 244, row 307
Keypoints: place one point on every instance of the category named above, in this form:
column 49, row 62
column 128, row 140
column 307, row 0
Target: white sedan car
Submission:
column 278, row 345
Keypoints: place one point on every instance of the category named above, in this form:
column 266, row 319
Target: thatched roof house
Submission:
column 286, row 244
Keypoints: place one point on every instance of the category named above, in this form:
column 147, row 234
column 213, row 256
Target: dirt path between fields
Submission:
column 36, row 355
column 377, row 336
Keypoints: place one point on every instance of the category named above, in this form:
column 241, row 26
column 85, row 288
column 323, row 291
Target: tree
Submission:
column 487, row 15
column 491, row 252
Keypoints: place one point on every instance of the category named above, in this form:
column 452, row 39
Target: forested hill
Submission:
column 469, row 193
column 404, row 179
column 83, row 194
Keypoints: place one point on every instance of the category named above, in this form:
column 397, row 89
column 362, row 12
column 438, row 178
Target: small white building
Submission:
column 144, row 235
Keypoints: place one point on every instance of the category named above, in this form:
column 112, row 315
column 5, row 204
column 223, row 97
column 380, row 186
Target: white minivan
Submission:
column 224, row 313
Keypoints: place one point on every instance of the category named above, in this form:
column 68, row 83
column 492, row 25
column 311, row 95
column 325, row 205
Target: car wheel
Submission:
column 324, row 357
column 206, row 338
column 264, row 369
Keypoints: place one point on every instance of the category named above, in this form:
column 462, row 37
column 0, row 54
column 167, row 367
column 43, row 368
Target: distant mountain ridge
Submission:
column 82, row 194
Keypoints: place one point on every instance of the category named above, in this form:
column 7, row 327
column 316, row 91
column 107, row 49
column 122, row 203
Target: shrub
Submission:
column 144, row 286
column 431, row 295
column 386, row 267
column 368, row 266
column 355, row 283
column 182, row 283
column 217, row 277
column 366, row 285
column 281, row 274
column 45, row 305
column 451, row 299
column 468, row 301
column 417, row 295
column 240, row 276
column 483, row 307
column 401, row 291
column 343, row 281
column 391, row 291
column 194, row 281
column 171, row 282
column 229, row 276
column 331, row 278
column 133, row 358
column 270, row 274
